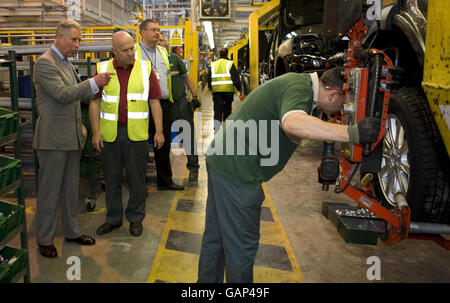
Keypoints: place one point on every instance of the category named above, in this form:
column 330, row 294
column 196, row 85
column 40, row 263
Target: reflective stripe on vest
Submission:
column 220, row 76
column 137, row 102
column 165, row 57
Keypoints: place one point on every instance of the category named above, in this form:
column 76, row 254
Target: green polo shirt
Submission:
column 251, row 147
column 177, row 69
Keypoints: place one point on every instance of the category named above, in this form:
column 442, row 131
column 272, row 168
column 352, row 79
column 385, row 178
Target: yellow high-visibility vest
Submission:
column 138, row 91
column 221, row 77
column 165, row 57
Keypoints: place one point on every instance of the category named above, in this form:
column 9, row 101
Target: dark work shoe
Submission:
column 136, row 229
column 193, row 177
column 171, row 186
column 83, row 240
column 48, row 251
column 107, row 228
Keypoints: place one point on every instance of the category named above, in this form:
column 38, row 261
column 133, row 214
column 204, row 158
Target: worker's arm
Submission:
column 299, row 125
column 94, row 118
column 190, row 84
column 158, row 139
column 235, row 77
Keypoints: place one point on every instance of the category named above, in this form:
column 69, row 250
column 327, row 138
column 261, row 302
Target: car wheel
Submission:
column 414, row 160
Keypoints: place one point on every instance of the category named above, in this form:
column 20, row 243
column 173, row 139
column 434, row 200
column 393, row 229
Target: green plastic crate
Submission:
column 17, row 266
column 12, row 218
column 7, row 122
column 9, row 170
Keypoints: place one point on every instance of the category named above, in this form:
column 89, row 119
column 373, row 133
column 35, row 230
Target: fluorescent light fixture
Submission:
column 208, row 29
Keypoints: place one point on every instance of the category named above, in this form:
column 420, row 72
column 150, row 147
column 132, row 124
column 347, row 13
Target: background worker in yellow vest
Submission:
column 223, row 78
column 119, row 117
column 147, row 49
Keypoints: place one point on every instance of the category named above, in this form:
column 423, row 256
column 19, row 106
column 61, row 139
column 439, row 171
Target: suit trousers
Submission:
column 182, row 109
column 59, row 175
column 162, row 155
column 133, row 156
column 231, row 236
column 222, row 105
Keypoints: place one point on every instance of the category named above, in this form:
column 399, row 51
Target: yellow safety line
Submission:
column 156, row 263
column 268, row 202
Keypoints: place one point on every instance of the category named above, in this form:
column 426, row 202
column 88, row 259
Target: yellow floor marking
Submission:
column 268, row 202
column 181, row 267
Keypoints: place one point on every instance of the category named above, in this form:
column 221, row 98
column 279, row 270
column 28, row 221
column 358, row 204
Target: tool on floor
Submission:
column 369, row 76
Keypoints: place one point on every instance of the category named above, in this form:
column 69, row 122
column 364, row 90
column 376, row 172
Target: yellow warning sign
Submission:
column 176, row 37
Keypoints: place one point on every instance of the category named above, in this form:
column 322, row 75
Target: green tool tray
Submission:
column 17, row 266
column 7, row 122
column 12, row 218
column 9, row 171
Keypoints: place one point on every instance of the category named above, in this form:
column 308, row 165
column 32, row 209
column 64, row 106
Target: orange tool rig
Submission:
column 364, row 87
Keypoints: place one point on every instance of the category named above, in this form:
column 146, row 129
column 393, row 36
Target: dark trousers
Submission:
column 162, row 155
column 231, row 236
column 132, row 155
column 182, row 110
column 222, row 105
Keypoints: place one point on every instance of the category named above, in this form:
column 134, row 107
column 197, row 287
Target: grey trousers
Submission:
column 182, row 109
column 231, row 236
column 59, row 176
column 133, row 156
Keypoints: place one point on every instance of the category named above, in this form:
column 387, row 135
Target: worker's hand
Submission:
column 102, row 79
column 158, row 140
column 366, row 131
column 97, row 142
column 195, row 103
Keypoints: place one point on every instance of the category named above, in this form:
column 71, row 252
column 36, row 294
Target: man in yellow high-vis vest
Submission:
column 147, row 49
column 119, row 117
column 223, row 78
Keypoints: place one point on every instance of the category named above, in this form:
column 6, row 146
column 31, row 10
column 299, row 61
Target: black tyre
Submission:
column 414, row 159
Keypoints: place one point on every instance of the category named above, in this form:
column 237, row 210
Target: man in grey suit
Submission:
column 60, row 136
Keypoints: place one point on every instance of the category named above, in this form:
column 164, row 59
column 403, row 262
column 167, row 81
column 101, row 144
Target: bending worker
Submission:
column 119, row 117
column 278, row 114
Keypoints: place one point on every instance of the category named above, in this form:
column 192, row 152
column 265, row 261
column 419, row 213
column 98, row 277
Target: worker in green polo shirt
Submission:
column 182, row 109
column 253, row 145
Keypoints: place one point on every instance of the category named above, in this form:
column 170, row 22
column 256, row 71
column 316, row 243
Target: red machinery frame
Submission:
column 398, row 219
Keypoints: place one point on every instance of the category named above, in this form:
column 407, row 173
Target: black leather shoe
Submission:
column 107, row 228
column 193, row 177
column 136, row 229
column 48, row 251
column 83, row 240
column 171, row 186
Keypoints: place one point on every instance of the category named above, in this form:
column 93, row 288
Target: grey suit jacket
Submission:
column 58, row 126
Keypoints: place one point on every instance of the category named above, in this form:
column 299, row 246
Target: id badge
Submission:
column 157, row 76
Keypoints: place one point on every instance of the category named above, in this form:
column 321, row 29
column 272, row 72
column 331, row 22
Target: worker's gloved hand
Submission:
column 195, row 103
column 366, row 131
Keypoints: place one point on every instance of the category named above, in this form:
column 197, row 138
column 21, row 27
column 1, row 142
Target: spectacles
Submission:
column 339, row 91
